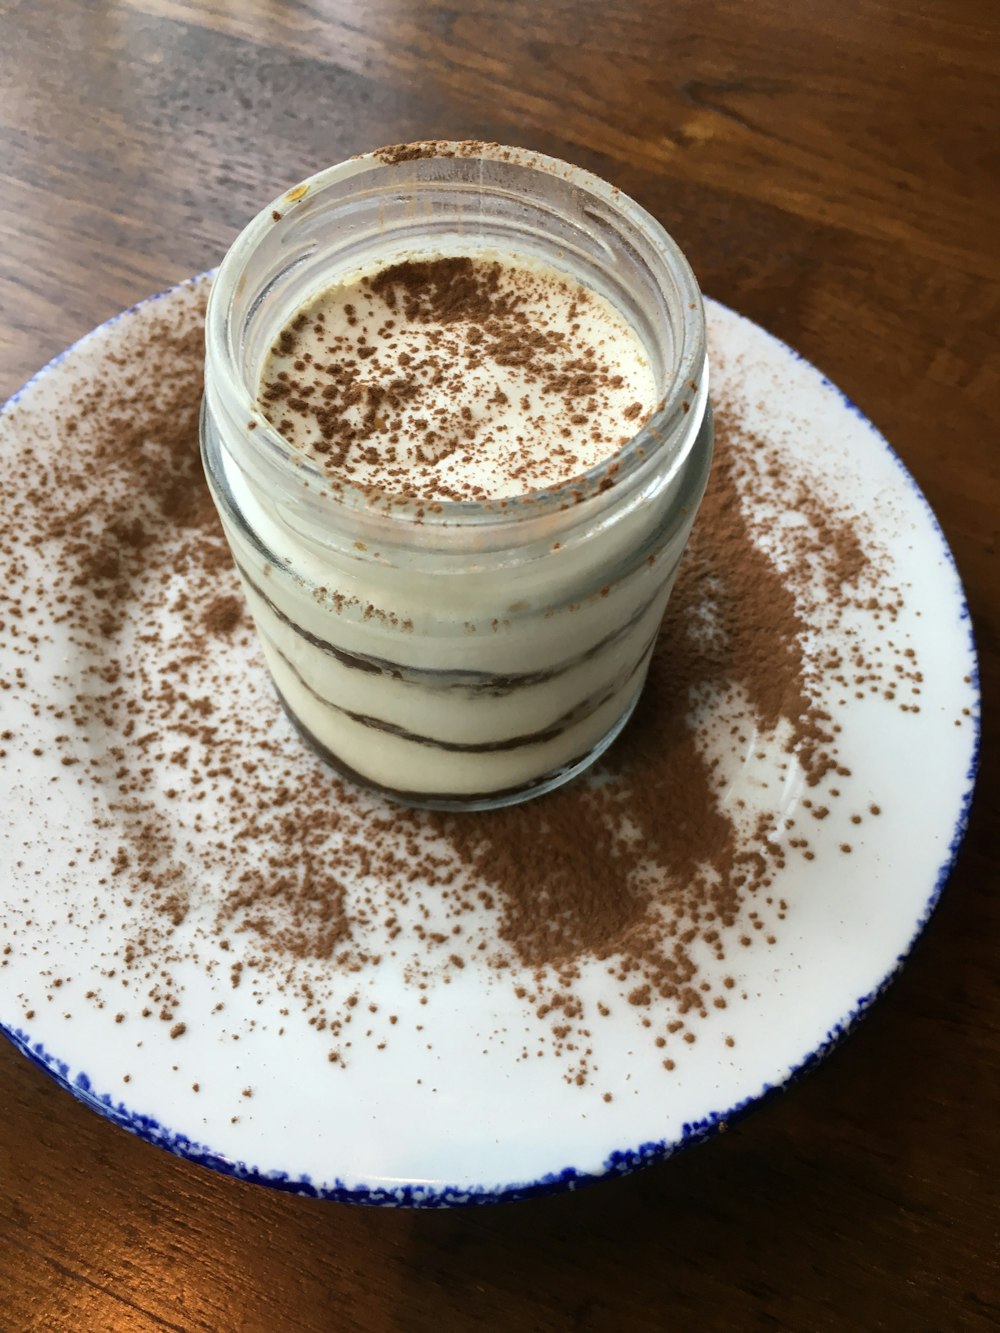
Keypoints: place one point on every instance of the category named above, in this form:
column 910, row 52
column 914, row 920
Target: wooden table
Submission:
column 827, row 168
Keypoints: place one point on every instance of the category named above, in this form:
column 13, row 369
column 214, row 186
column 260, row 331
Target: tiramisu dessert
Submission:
column 489, row 479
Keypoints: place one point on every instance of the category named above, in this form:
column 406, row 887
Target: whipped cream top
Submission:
column 458, row 378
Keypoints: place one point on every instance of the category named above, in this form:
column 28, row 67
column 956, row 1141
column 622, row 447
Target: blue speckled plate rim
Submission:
column 621, row 1162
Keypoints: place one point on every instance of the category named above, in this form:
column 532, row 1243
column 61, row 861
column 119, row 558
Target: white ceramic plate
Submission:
column 446, row 1112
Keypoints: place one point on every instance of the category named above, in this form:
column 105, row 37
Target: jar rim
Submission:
column 683, row 404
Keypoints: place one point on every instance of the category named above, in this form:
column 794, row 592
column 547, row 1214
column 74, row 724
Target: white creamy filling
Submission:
column 459, row 377
column 445, row 407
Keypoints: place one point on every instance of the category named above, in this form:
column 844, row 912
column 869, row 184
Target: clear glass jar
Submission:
column 463, row 655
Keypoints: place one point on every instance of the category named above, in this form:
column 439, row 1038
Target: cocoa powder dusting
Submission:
column 404, row 382
column 219, row 838
column 393, row 154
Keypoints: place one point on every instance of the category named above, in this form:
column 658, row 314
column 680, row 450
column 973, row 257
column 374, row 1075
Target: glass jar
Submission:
column 465, row 654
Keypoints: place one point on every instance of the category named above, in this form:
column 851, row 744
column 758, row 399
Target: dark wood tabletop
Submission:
column 830, row 170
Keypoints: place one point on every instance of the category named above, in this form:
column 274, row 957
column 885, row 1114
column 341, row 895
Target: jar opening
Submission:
column 467, row 198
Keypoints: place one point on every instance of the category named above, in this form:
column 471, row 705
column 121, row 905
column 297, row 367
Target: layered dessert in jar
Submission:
column 456, row 424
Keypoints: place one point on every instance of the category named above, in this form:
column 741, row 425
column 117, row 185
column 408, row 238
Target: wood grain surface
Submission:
column 831, row 170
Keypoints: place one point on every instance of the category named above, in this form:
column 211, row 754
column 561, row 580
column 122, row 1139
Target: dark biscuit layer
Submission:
column 572, row 718
column 443, row 800
column 475, row 682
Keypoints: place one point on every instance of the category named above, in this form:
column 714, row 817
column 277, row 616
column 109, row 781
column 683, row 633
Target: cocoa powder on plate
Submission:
column 232, row 845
